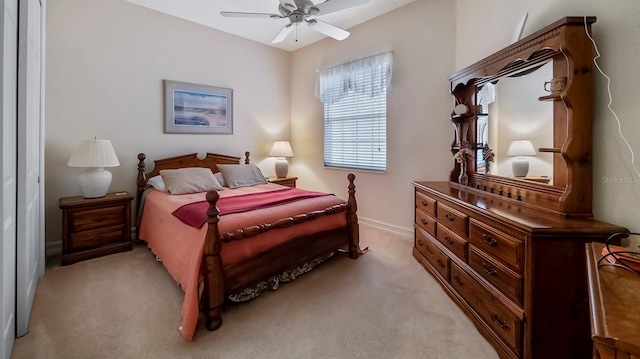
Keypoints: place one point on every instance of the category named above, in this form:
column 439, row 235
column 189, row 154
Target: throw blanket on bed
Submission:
column 195, row 214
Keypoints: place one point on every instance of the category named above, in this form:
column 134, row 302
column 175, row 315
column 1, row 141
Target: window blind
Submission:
column 355, row 121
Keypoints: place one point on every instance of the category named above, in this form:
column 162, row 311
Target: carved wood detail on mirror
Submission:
column 560, row 180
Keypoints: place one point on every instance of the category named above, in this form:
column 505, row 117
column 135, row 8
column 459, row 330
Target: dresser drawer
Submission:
column 454, row 242
column 426, row 204
column 426, row 222
column 504, row 247
column 96, row 237
column 452, row 219
column 504, row 279
column 84, row 219
column 438, row 260
column 503, row 322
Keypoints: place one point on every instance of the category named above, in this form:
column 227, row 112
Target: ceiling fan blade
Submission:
column 282, row 34
column 248, row 14
column 328, row 29
column 329, row 6
column 289, row 4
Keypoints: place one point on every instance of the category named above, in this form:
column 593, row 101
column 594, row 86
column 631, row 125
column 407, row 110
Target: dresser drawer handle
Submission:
column 489, row 240
column 458, row 280
column 99, row 219
column 488, row 268
column 501, row 323
column 424, row 221
column 442, row 265
column 448, row 240
column 97, row 238
column 424, row 203
column 449, row 217
column 420, row 242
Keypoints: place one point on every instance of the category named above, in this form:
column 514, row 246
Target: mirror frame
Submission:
column 566, row 44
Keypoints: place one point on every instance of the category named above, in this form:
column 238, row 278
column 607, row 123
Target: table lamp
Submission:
column 94, row 155
column 282, row 150
column 518, row 149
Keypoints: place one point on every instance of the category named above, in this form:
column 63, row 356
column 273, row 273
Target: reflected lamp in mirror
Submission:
column 94, row 155
column 519, row 149
column 281, row 150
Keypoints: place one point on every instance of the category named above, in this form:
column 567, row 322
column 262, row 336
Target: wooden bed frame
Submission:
column 221, row 281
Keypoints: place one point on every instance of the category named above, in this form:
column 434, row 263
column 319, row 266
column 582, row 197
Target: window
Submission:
column 355, row 113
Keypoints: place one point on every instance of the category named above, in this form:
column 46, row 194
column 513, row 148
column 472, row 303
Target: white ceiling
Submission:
column 207, row 12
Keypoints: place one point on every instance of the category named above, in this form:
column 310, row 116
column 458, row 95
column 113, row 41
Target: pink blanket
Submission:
column 195, row 214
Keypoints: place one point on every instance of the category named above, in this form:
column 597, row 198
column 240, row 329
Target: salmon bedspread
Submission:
column 180, row 247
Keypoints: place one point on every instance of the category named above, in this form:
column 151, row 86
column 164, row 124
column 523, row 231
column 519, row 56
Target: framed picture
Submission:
column 191, row 108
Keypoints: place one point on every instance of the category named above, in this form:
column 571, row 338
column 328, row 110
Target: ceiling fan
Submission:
column 299, row 11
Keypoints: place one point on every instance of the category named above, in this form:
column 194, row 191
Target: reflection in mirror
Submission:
column 509, row 110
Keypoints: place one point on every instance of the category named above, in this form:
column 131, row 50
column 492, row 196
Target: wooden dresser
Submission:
column 517, row 272
column 614, row 298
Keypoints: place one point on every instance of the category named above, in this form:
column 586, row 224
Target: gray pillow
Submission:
column 189, row 180
column 236, row 176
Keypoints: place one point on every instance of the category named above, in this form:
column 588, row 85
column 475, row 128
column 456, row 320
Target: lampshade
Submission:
column 521, row 148
column 281, row 149
column 520, row 165
column 94, row 155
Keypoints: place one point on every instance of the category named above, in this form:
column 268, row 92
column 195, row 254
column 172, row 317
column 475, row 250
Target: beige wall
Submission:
column 421, row 36
column 618, row 38
column 106, row 60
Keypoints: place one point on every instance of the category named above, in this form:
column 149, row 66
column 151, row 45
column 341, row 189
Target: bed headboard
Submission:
column 211, row 160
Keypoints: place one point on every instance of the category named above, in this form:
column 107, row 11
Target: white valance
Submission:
column 370, row 75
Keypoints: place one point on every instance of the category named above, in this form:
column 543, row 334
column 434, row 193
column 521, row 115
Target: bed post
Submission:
column 246, row 158
column 352, row 219
column 141, row 180
column 213, row 295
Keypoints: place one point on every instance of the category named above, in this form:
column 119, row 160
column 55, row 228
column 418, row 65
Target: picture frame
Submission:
column 193, row 108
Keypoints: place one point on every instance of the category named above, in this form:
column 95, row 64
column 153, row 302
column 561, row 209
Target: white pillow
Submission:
column 190, row 180
column 236, row 176
column 220, row 178
column 157, row 183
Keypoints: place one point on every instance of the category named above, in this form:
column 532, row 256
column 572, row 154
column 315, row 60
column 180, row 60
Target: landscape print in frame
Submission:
column 192, row 108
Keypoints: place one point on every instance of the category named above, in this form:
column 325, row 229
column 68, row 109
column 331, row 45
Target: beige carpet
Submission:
column 382, row 305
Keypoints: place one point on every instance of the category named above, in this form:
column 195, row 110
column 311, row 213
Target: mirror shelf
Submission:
column 558, row 59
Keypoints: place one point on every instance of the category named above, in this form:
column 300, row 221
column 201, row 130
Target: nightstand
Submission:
column 93, row 227
column 285, row 181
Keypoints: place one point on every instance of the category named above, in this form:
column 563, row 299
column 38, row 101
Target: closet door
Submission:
column 9, row 113
column 30, row 258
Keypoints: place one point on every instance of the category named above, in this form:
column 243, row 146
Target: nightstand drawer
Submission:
column 96, row 237
column 95, row 218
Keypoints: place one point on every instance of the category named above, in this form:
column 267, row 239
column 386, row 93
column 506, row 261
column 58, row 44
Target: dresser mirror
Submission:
column 509, row 110
column 541, row 90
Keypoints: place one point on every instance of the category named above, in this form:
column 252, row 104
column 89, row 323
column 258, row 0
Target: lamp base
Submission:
column 520, row 167
column 94, row 182
column 282, row 167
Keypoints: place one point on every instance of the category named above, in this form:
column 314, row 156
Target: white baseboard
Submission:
column 53, row 248
column 403, row 231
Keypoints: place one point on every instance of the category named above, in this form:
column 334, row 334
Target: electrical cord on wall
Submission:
column 633, row 157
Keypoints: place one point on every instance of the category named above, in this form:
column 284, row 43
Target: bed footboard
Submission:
column 214, row 286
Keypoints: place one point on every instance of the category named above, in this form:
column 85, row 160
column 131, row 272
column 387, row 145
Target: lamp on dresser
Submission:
column 94, row 155
column 519, row 149
column 281, row 150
